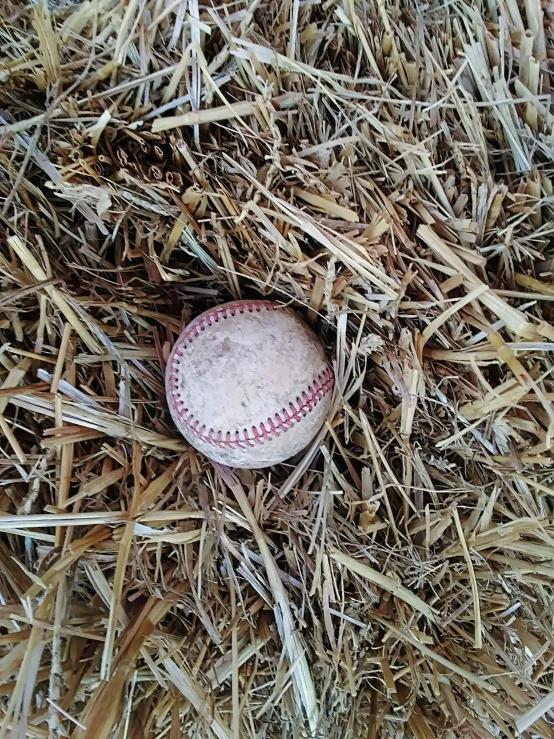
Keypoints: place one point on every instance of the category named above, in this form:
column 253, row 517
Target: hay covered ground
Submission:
column 386, row 168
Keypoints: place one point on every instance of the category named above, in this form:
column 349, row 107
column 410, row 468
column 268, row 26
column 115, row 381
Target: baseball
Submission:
column 248, row 383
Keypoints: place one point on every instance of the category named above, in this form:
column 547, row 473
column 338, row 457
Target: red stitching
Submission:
column 222, row 312
column 267, row 430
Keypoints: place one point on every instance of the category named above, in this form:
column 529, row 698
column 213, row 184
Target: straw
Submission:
column 386, row 170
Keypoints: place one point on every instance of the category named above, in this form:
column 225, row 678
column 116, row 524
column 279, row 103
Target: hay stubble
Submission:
column 384, row 167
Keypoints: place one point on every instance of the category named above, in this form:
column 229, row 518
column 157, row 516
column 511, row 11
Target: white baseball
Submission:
column 248, row 383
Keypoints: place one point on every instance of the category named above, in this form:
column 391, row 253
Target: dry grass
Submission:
column 386, row 167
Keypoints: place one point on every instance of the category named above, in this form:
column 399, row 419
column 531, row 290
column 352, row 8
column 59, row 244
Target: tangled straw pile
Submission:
column 387, row 169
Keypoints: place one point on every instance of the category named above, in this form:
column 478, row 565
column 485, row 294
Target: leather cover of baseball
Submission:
column 248, row 383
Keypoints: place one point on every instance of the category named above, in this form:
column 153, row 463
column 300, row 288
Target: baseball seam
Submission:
column 222, row 312
column 266, row 430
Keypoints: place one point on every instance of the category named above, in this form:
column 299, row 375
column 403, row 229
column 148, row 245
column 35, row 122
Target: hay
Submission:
column 387, row 169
